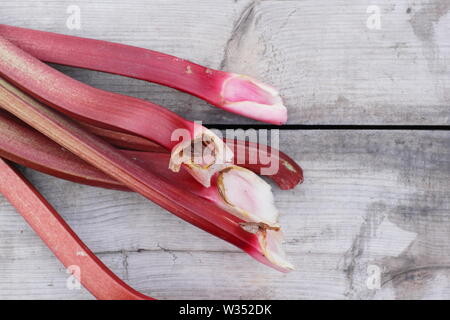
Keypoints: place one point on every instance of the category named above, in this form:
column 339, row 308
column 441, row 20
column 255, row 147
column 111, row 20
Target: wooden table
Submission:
column 369, row 117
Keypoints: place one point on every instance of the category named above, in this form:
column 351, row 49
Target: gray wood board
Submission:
column 370, row 198
column 329, row 66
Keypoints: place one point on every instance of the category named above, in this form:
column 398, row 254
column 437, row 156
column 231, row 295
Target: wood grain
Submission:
column 333, row 69
column 330, row 67
column 370, row 198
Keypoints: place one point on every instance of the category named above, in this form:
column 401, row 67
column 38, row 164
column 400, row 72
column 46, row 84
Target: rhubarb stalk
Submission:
column 253, row 156
column 261, row 243
column 232, row 92
column 26, row 146
column 236, row 190
column 112, row 110
column 124, row 140
column 61, row 239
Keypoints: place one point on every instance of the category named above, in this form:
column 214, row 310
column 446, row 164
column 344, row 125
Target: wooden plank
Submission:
column 331, row 68
column 374, row 199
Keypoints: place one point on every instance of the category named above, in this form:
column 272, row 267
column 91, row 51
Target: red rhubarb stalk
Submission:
column 232, row 92
column 263, row 243
column 250, row 155
column 26, row 146
column 124, row 140
column 61, row 239
column 236, row 190
column 116, row 111
column 289, row 173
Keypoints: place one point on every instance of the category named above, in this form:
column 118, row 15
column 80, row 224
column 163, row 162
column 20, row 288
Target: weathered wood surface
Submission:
column 370, row 198
column 330, row 67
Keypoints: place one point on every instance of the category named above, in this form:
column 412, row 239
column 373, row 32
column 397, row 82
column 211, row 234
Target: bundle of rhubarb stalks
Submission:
column 62, row 127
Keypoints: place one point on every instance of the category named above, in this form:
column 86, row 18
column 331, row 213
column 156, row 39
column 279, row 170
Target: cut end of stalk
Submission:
column 271, row 241
column 253, row 99
column 247, row 196
column 203, row 156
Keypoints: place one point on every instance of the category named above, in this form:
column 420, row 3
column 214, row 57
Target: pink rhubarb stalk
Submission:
column 232, row 92
column 289, row 173
column 253, row 156
column 28, row 147
column 61, row 239
column 124, row 140
column 236, row 190
column 262, row 243
column 112, row 110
